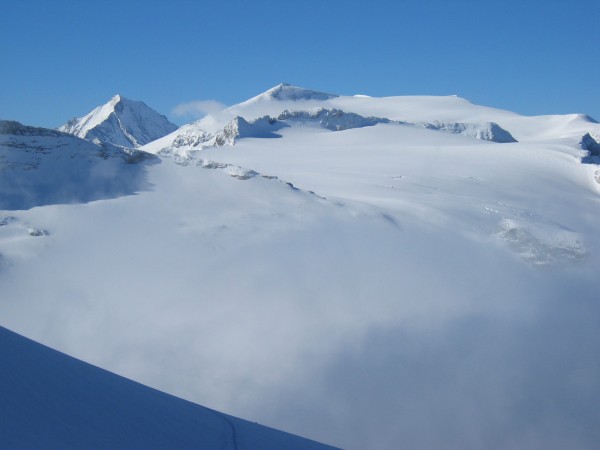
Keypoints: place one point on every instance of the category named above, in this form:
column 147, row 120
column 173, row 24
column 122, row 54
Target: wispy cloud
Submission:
column 198, row 108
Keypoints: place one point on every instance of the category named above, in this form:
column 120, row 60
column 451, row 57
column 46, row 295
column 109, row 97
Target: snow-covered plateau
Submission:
column 373, row 273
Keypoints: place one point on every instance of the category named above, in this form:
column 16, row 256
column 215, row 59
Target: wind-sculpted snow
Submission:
column 41, row 167
column 121, row 122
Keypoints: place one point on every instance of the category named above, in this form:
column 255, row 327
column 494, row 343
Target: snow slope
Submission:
column 41, row 166
column 386, row 286
column 50, row 400
column 120, row 122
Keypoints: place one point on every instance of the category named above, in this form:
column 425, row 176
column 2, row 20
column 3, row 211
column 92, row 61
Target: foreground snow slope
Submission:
column 50, row 400
column 412, row 288
column 120, row 122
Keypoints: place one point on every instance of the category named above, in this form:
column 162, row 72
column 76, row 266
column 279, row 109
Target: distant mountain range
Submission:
column 128, row 123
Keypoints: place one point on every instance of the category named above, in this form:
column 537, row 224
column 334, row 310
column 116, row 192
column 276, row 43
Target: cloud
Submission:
column 198, row 108
column 480, row 381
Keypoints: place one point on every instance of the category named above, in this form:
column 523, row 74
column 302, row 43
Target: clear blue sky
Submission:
column 59, row 59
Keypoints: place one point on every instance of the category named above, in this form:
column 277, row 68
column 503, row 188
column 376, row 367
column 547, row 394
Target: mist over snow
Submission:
column 42, row 167
column 399, row 272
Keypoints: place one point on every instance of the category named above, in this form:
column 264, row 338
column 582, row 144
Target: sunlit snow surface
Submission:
column 410, row 288
column 120, row 122
column 49, row 400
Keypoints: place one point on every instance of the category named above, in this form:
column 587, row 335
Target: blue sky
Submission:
column 62, row 58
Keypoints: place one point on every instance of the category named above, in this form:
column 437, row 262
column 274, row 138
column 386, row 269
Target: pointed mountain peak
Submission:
column 121, row 121
column 285, row 91
column 118, row 102
column 116, row 99
column 281, row 87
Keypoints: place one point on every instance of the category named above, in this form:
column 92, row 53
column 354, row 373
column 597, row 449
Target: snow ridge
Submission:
column 332, row 119
column 11, row 127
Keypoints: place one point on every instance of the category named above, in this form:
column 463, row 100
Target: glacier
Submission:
column 409, row 283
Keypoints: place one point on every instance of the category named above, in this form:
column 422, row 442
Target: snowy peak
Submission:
column 121, row 122
column 286, row 92
column 116, row 99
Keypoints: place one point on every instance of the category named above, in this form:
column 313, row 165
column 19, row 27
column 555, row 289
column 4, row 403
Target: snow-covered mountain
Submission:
column 294, row 106
column 122, row 122
column 400, row 272
column 50, row 400
column 286, row 92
